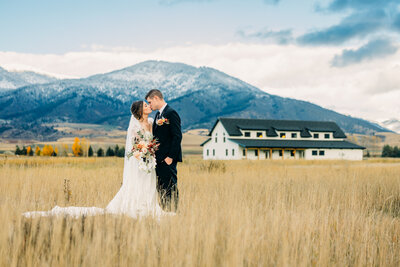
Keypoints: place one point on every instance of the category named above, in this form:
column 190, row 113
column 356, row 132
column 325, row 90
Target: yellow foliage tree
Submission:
column 84, row 147
column 28, row 150
column 64, row 150
column 77, row 148
column 37, row 151
column 47, row 150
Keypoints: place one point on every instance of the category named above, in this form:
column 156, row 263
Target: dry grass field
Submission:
column 241, row 213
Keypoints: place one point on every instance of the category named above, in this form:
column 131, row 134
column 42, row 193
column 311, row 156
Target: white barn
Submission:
column 237, row 138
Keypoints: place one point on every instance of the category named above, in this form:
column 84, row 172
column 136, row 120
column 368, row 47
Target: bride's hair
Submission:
column 137, row 109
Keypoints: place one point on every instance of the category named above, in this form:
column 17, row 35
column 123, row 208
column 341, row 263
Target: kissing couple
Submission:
column 153, row 149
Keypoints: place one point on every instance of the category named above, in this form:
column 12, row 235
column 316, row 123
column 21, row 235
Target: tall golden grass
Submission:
column 239, row 213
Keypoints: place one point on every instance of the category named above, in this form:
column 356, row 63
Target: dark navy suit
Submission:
column 169, row 136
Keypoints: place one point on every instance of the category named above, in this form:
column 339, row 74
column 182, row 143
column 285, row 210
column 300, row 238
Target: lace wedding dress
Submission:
column 137, row 196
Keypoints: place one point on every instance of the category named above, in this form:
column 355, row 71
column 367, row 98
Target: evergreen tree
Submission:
column 121, row 152
column 17, row 150
column 110, row 152
column 100, row 152
column 90, row 151
column 116, row 150
column 29, row 151
column 24, row 151
column 396, row 152
column 386, row 151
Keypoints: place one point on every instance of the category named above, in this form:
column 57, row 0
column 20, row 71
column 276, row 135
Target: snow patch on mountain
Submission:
column 392, row 124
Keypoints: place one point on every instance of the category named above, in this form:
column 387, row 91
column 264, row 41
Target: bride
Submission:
column 137, row 196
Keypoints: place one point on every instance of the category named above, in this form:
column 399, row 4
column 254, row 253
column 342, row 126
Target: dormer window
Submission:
column 294, row 135
column 282, row 135
column 246, row 134
column 327, row 136
column 259, row 134
column 316, row 135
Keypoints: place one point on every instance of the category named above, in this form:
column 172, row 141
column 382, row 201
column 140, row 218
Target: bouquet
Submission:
column 144, row 149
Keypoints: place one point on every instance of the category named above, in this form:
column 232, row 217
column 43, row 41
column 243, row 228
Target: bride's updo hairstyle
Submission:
column 137, row 109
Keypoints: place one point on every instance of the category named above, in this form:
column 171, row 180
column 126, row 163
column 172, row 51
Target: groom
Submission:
column 167, row 129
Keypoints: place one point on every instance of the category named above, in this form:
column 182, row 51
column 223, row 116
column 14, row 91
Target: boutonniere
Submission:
column 162, row 121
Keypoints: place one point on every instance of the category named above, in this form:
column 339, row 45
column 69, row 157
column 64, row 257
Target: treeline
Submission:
column 390, row 152
column 80, row 148
column 112, row 152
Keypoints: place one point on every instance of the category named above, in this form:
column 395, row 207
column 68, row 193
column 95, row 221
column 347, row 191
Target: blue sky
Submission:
column 340, row 54
column 62, row 26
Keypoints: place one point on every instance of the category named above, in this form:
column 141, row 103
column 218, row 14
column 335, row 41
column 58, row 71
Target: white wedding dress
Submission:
column 136, row 198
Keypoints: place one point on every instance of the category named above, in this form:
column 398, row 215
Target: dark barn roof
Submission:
column 233, row 126
column 254, row 143
column 202, row 144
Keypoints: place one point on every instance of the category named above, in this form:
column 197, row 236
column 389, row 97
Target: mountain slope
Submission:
column 200, row 95
column 14, row 79
column 392, row 124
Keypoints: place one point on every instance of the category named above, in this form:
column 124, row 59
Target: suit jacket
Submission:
column 169, row 136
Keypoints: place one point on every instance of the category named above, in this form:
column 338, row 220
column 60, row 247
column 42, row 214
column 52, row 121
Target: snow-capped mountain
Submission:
column 200, row 95
column 16, row 79
column 392, row 124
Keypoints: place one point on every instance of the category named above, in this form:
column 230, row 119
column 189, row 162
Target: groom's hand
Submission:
column 168, row 160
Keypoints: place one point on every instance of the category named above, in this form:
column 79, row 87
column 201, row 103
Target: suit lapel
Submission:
column 162, row 114
column 159, row 117
column 155, row 121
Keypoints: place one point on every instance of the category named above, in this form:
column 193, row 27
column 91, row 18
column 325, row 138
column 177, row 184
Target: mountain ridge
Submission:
column 199, row 94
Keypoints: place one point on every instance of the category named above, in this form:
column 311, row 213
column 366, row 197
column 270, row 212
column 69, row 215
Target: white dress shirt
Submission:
column 162, row 109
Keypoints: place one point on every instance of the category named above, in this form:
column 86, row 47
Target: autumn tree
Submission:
column 47, row 150
column 85, row 147
column 29, row 151
column 77, row 148
column 37, row 151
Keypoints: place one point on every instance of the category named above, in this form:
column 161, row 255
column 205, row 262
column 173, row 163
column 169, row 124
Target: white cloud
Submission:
column 369, row 90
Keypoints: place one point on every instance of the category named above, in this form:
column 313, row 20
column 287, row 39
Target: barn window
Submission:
column 256, row 153
column 294, row 135
column 314, row 152
column 233, row 152
column 226, row 152
column 208, row 152
column 292, row 153
column 216, row 139
column 244, row 152
column 322, row 153
column 282, row 135
column 246, row 134
column 280, row 153
column 327, row 136
column 224, row 139
column 259, row 134
column 316, row 135
column 213, row 152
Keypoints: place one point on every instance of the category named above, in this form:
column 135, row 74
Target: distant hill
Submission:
column 392, row 124
column 15, row 79
column 200, row 95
